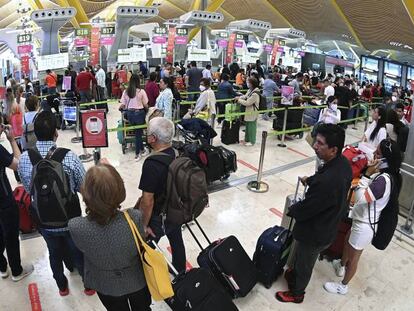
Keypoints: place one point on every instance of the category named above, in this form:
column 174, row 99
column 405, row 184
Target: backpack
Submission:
column 357, row 159
column 387, row 221
column 53, row 202
column 22, row 199
column 29, row 138
column 262, row 102
column 186, row 192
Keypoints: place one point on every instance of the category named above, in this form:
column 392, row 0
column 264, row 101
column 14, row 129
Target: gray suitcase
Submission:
column 286, row 220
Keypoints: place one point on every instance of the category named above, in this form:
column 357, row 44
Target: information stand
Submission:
column 94, row 131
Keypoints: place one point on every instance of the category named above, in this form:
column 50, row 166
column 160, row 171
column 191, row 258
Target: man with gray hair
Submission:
column 153, row 184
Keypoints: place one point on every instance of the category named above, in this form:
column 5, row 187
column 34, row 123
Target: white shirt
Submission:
column 381, row 135
column 329, row 91
column 331, row 117
column 207, row 74
column 390, row 132
column 100, row 77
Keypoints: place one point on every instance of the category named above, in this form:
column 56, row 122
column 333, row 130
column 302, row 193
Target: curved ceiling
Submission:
column 370, row 24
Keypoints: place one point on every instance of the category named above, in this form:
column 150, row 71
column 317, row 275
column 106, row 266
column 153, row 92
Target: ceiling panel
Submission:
column 255, row 9
column 318, row 18
column 387, row 21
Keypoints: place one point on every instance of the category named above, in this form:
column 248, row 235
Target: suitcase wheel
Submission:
column 225, row 177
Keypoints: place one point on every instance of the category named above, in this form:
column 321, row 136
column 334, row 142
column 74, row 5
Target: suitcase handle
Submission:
column 297, row 189
column 195, row 237
column 166, row 259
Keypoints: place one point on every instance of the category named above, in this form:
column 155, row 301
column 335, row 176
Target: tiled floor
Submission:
column 384, row 280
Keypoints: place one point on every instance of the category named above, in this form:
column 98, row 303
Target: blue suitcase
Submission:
column 271, row 255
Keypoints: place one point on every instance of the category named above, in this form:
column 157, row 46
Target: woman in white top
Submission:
column 331, row 114
column 206, row 103
column 376, row 132
column 377, row 193
column 164, row 101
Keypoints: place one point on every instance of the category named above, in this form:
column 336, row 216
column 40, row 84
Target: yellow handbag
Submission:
column 154, row 265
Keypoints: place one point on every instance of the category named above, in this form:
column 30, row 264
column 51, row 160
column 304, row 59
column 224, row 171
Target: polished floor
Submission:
column 384, row 280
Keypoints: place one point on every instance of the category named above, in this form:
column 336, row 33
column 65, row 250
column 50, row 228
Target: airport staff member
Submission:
column 318, row 215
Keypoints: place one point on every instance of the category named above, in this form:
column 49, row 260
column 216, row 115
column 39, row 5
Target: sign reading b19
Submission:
column 25, row 38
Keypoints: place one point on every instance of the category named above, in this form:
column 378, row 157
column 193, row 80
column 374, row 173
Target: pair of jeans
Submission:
column 85, row 96
column 250, row 134
column 137, row 117
column 101, row 97
column 60, row 244
column 175, row 237
column 138, row 301
column 51, row 90
column 304, row 261
column 9, row 238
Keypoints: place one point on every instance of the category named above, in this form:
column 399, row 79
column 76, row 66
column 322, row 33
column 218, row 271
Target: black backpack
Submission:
column 52, row 201
column 387, row 221
column 262, row 102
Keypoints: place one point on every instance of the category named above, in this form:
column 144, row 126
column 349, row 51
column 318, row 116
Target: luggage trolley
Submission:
column 68, row 108
column 126, row 137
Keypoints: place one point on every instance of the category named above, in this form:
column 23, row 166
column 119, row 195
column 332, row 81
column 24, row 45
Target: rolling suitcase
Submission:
column 288, row 222
column 272, row 251
column 230, row 132
column 229, row 263
column 212, row 162
column 198, row 290
column 229, row 159
column 335, row 250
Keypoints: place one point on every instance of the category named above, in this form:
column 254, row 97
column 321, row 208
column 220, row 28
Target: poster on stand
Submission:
column 287, row 95
column 66, row 83
column 94, row 129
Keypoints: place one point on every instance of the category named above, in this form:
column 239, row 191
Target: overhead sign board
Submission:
column 82, row 32
column 224, row 35
column 181, row 31
column 162, row 31
column 108, row 30
column 199, row 55
column 25, row 38
column 132, row 55
column 53, row 61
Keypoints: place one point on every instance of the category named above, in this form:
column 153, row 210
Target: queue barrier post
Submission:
column 357, row 115
column 282, row 143
column 77, row 138
column 366, row 119
column 258, row 185
column 96, row 155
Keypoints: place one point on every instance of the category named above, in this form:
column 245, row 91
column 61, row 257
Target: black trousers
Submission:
column 9, row 239
column 138, row 301
column 305, row 259
column 221, row 108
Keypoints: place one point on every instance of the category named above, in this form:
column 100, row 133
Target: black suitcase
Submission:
column 212, row 162
column 229, row 263
column 230, row 132
column 229, row 159
column 198, row 290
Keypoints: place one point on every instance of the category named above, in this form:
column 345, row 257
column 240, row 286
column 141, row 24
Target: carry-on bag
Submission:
column 229, row 160
column 197, row 289
column 22, row 199
column 230, row 132
column 229, row 263
column 211, row 159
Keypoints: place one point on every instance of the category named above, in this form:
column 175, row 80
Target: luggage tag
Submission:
column 233, row 282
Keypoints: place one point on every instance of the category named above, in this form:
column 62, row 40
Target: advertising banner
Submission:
column 169, row 58
column 222, row 43
column 159, row 40
column 274, row 52
column 79, row 42
column 24, row 61
column 238, row 44
column 24, row 49
column 230, row 48
column 94, row 129
column 181, row 36
column 95, row 46
column 181, row 40
column 107, row 40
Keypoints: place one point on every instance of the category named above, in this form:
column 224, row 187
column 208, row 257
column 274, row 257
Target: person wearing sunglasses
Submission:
column 377, row 192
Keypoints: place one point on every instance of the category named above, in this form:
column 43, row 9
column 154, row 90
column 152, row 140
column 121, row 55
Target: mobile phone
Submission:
column 383, row 163
column 93, row 125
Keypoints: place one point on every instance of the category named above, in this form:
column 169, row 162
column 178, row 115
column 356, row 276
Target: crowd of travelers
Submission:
column 99, row 244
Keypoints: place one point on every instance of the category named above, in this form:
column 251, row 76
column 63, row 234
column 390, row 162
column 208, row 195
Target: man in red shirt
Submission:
column 152, row 89
column 83, row 85
column 51, row 82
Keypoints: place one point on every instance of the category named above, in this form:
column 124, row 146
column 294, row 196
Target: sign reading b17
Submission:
column 108, row 30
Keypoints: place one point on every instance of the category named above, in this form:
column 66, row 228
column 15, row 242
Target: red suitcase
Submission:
column 22, row 199
column 335, row 251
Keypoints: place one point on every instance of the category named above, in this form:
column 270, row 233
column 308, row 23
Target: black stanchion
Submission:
column 282, row 143
column 77, row 138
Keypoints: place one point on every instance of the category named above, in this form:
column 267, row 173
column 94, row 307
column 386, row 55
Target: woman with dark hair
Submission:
column 134, row 100
column 393, row 125
column 251, row 101
column 152, row 89
column 375, row 209
column 164, row 101
column 112, row 264
column 376, row 132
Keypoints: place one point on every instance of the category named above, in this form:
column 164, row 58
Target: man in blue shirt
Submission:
column 224, row 91
column 58, row 240
column 9, row 213
column 269, row 90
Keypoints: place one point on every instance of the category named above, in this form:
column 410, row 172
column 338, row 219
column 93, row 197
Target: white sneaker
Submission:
column 138, row 157
column 27, row 270
column 339, row 269
column 145, row 153
column 336, row 288
column 248, row 144
column 5, row 274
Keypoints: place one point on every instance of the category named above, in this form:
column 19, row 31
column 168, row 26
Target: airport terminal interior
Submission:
column 264, row 150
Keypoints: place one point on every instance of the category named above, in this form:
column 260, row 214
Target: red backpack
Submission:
column 22, row 199
column 356, row 158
